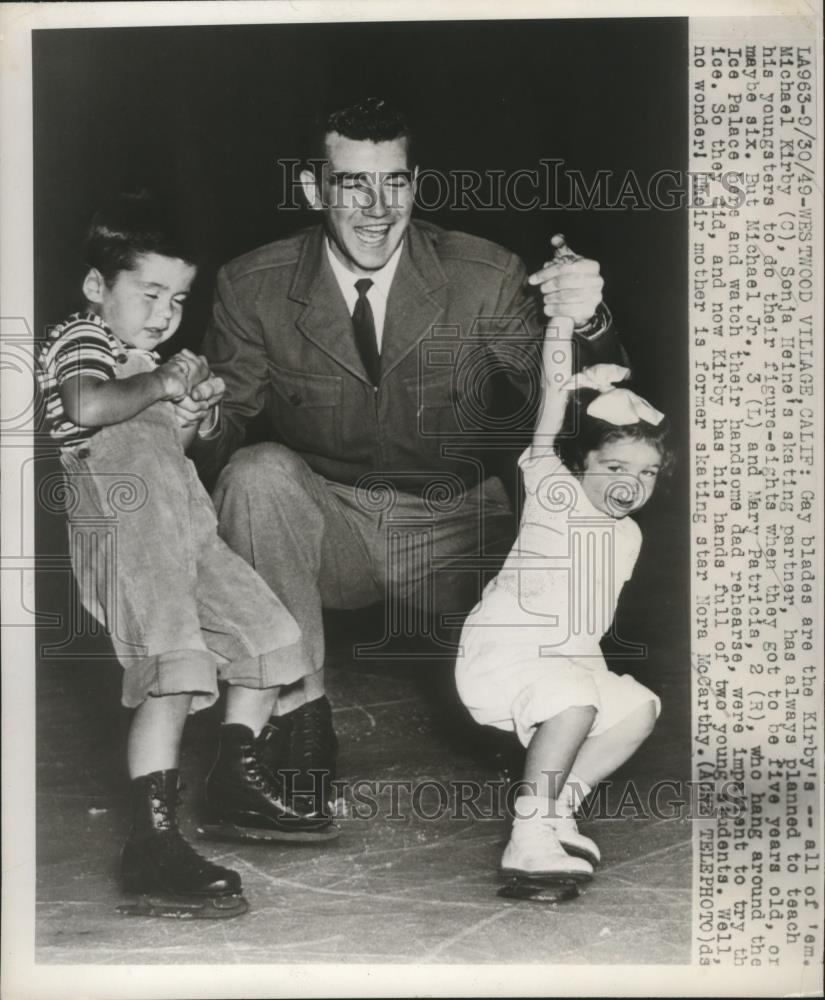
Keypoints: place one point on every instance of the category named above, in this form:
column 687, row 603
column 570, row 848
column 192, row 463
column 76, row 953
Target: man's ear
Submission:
column 93, row 285
column 311, row 191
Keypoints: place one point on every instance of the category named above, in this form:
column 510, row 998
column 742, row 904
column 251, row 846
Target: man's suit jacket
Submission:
column 459, row 316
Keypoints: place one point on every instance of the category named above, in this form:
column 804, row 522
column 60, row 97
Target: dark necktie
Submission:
column 364, row 326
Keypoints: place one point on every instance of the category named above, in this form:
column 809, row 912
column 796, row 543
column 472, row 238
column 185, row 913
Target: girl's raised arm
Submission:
column 557, row 366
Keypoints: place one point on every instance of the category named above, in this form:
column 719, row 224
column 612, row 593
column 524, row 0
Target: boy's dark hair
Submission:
column 132, row 225
column 373, row 119
column 580, row 434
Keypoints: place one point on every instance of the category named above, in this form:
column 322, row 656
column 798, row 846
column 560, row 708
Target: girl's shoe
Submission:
column 576, row 843
column 535, row 851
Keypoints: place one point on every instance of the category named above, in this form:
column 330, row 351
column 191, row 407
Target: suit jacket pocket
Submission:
column 306, row 410
column 436, row 404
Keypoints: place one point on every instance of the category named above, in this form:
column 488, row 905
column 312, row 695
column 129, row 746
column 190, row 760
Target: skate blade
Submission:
column 546, row 877
column 534, row 890
column 261, row 835
column 186, row 907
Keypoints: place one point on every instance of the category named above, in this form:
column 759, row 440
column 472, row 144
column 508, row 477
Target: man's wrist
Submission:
column 596, row 325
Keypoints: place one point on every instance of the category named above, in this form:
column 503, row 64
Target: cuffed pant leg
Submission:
column 244, row 623
column 284, row 520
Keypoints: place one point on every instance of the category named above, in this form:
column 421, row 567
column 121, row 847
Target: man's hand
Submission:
column 203, row 389
column 570, row 285
column 194, row 407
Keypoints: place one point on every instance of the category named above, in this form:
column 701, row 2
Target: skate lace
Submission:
column 161, row 808
column 533, row 833
column 255, row 772
column 311, row 736
column 260, row 776
column 565, row 825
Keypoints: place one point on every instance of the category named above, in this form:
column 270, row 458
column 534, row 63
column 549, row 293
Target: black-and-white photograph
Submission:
column 366, row 517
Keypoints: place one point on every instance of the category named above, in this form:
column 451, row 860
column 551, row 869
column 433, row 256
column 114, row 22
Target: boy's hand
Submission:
column 173, row 380
column 570, row 285
column 192, row 366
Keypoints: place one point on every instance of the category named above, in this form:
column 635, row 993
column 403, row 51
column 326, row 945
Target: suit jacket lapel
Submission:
column 325, row 319
column 412, row 308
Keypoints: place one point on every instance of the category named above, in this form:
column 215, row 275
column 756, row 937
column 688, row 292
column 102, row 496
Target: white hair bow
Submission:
column 614, row 406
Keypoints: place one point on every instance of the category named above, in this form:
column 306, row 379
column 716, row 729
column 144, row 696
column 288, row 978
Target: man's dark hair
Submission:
column 372, row 119
column 581, row 434
column 130, row 226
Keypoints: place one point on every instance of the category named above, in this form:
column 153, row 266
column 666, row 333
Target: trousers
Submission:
column 321, row 544
column 181, row 608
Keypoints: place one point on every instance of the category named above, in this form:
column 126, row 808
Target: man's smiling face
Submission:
column 367, row 197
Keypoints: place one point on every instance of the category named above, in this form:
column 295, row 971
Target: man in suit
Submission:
column 372, row 348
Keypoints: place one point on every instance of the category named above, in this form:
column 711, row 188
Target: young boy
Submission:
column 182, row 609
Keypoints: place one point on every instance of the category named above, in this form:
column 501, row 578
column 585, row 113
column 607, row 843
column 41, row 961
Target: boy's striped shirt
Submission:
column 82, row 345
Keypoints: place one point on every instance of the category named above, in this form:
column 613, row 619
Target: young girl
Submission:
column 531, row 657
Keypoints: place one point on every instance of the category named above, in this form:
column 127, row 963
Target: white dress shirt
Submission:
column 377, row 294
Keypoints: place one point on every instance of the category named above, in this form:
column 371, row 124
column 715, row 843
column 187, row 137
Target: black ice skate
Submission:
column 166, row 873
column 299, row 750
column 248, row 801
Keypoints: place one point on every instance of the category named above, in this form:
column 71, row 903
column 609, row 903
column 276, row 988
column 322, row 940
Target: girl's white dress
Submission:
column 530, row 647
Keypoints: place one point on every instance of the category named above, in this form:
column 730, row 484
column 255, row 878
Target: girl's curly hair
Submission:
column 580, row 434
